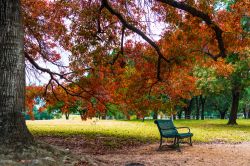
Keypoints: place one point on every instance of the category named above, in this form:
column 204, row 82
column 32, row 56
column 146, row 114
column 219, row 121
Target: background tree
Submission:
column 245, row 103
column 239, row 79
column 220, row 102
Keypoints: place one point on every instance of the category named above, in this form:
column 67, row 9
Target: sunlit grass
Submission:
column 204, row 131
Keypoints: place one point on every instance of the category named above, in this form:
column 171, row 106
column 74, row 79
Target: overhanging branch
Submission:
column 62, row 76
column 131, row 27
column 205, row 17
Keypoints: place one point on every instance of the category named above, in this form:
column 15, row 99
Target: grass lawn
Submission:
column 204, row 131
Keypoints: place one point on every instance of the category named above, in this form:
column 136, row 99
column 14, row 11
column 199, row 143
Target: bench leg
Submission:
column 174, row 140
column 160, row 143
column 178, row 144
column 190, row 139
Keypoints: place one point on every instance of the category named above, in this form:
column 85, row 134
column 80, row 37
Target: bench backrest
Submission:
column 166, row 128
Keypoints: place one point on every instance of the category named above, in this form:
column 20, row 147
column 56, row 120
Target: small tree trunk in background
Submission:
column 188, row 110
column 174, row 117
column 155, row 116
column 179, row 114
column 197, row 108
column 203, row 100
column 234, row 109
column 67, row 115
column 82, row 116
column 245, row 112
column 13, row 130
column 223, row 114
column 104, row 117
column 187, row 115
column 82, row 113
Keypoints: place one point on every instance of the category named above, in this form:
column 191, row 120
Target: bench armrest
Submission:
column 184, row 128
column 168, row 128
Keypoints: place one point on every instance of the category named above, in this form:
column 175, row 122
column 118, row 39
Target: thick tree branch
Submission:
column 46, row 87
column 31, row 60
column 197, row 13
column 131, row 27
column 122, row 48
column 99, row 29
column 122, row 40
column 159, row 68
column 54, row 93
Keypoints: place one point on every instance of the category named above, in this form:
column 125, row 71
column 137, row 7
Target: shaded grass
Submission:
column 204, row 131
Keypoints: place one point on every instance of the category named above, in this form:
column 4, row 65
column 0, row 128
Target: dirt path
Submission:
column 200, row 155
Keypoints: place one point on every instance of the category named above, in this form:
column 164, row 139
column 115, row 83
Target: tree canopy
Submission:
column 116, row 56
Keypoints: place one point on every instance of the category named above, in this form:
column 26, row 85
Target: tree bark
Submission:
column 12, row 76
column 203, row 100
column 179, row 114
column 67, row 115
column 143, row 118
column 197, row 101
column 174, row 117
column 155, row 116
column 188, row 110
column 82, row 113
column 223, row 114
column 245, row 112
column 234, row 109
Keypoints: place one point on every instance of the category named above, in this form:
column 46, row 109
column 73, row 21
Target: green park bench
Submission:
column 168, row 130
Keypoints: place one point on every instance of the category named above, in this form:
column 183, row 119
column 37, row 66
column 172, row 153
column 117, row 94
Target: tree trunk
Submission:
column 223, row 114
column 128, row 116
column 197, row 107
column 203, row 100
column 245, row 112
column 67, row 115
column 83, row 113
column 234, row 109
column 155, row 116
column 12, row 76
column 138, row 116
column 188, row 110
column 174, row 117
column 179, row 114
column 187, row 115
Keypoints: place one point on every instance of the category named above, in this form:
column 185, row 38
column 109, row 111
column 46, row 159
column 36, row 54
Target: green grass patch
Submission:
column 204, row 131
